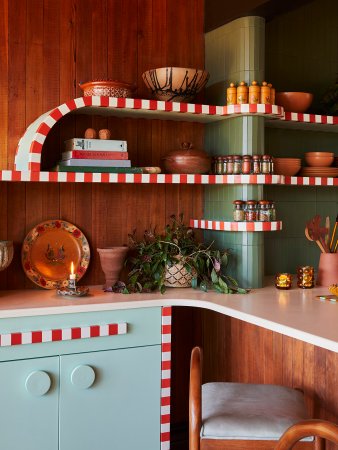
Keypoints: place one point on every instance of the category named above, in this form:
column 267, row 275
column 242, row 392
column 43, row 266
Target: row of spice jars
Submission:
column 252, row 94
column 247, row 164
column 253, row 210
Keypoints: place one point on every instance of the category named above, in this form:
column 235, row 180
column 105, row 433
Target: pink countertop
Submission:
column 296, row 313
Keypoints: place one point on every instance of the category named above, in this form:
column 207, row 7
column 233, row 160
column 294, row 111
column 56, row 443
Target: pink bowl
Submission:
column 294, row 101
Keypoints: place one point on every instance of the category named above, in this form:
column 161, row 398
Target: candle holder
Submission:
column 305, row 277
column 79, row 291
column 283, row 280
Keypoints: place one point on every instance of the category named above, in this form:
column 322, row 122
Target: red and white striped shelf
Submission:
column 310, row 181
column 28, row 155
column 79, row 177
column 302, row 121
column 218, row 225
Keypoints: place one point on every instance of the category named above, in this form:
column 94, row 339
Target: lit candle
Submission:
column 72, row 277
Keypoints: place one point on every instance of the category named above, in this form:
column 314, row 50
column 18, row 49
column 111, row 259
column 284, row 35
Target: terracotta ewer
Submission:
column 327, row 269
column 112, row 260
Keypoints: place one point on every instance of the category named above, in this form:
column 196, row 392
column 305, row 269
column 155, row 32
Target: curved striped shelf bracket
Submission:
column 28, row 154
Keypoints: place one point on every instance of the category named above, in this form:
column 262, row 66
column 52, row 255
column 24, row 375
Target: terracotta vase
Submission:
column 112, row 260
column 327, row 269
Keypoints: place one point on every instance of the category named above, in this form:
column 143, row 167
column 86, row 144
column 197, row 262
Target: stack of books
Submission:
column 95, row 155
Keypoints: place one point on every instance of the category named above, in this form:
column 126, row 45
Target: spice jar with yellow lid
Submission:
column 242, row 93
column 254, row 93
column 265, row 93
column 231, row 94
column 272, row 94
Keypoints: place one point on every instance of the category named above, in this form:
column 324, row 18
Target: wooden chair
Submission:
column 241, row 416
column 322, row 428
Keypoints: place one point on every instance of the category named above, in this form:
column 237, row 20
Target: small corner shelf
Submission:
column 217, row 225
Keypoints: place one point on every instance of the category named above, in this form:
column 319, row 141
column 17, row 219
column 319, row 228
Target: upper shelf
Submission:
column 306, row 122
column 28, row 155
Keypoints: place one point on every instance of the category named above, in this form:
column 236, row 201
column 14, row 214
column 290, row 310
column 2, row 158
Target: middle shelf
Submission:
column 162, row 178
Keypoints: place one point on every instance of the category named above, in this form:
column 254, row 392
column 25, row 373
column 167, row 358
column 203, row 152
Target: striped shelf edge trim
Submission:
column 311, row 181
column 310, row 118
column 62, row 334
column 82, row 177
column 165, row 377
column 235, row 226
column 29, row 149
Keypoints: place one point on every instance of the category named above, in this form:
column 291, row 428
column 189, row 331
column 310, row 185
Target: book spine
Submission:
column 60, row 168
column 96, row 162
column 95, row 144
column 93, row 154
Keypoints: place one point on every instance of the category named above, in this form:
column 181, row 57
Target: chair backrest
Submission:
column 300, row 430
column 195, row 394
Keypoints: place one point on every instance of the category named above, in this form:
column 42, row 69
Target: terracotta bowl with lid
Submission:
column 297, row 102
column 286, row 166
column 186, row 160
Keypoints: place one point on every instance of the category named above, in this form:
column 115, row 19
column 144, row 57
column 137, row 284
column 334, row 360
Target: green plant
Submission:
column 155, row 252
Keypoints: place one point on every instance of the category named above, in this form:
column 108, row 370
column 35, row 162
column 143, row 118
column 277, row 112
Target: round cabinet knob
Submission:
column 38, row 383
column 83, row 377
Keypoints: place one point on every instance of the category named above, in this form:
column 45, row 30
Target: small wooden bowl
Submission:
column 107, row 88
column 297, row 102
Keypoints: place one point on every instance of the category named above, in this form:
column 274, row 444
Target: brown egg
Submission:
column 90, row 133
column 104, row 134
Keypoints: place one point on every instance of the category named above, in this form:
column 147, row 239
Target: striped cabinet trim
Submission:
column 62, row 334
column 165, row 377
column 235, row 226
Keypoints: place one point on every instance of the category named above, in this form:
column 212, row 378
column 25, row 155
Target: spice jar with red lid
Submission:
column 251, row 211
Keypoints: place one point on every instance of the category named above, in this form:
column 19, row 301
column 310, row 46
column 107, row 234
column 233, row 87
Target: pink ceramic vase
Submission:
column 327, row 269
column 112, row 260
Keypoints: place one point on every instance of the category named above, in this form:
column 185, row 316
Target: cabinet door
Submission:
column 111, row 399
column 29, row 404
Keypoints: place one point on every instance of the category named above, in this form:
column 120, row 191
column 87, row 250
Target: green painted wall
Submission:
column 295, row 51
column 234, row 52
column 301, row 54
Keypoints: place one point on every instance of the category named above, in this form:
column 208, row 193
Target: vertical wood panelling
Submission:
column 4, row 81
column 238, row 351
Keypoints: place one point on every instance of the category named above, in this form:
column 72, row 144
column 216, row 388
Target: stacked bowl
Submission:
column 286, row 166
column 319, row 165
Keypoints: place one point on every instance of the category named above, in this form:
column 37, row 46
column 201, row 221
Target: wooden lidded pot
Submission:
column 186, row 160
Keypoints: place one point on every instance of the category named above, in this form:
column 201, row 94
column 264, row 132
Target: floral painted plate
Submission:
column 48, row 251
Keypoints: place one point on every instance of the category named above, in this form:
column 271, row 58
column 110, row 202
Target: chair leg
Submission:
column 319, row 443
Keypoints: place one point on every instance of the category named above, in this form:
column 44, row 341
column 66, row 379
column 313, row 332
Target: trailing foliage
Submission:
column 151, row 255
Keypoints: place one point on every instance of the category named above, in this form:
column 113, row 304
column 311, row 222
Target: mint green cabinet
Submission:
column 29, row 404
column 102, row 392
column 110, row 399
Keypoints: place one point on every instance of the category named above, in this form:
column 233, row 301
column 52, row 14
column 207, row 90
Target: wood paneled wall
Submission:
column 237, row 351
column 47, row 48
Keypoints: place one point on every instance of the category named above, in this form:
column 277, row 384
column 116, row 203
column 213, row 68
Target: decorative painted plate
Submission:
column 48, row 251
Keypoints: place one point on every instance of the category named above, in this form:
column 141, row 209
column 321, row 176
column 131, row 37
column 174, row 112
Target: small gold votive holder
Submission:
column 283, row 280
column 305, row 277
